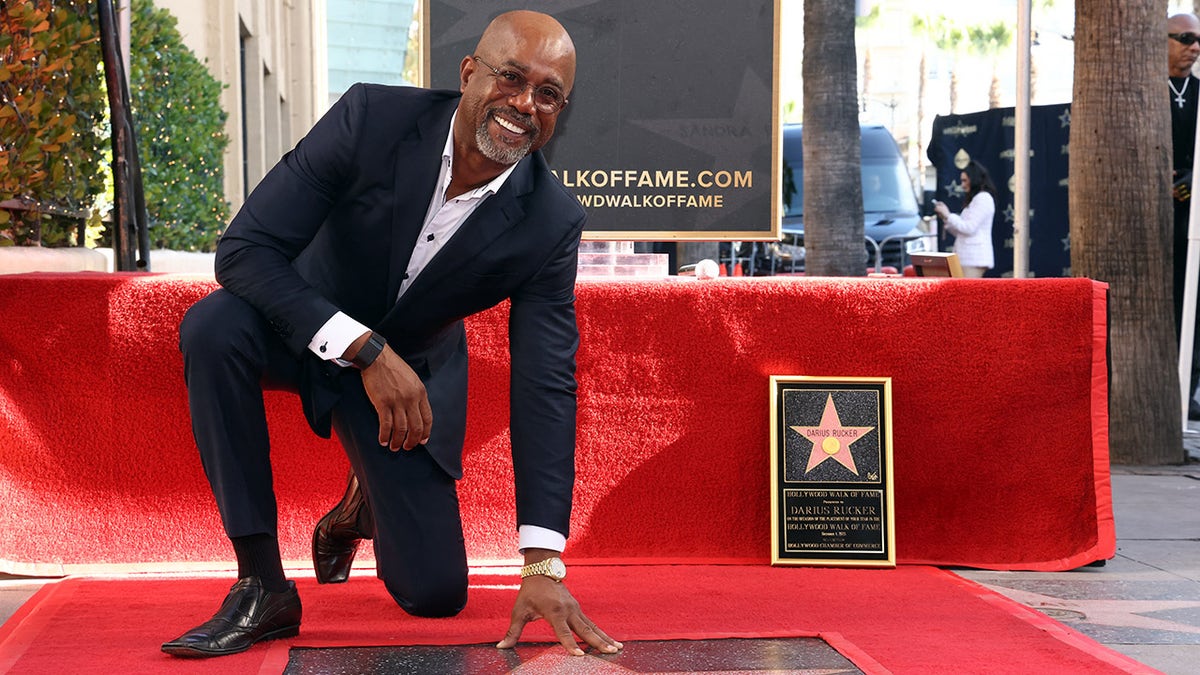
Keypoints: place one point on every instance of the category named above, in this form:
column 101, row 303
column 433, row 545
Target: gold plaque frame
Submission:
column 831, row 471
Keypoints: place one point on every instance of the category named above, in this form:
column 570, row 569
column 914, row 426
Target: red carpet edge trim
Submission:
column 854, row 654
column 23, row 627
column 275, row 661
column 1106, row 527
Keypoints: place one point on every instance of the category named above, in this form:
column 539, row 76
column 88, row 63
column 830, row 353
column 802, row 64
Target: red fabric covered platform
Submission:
column 999, row 399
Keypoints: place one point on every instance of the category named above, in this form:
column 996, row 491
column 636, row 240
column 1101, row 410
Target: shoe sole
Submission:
column 193, row 652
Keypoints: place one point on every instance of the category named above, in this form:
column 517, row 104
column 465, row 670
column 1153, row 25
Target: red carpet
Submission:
column 1000, row 433
column 910, row 620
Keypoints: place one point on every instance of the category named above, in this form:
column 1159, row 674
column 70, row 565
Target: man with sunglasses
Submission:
column 346, row 276
column 1183, row 47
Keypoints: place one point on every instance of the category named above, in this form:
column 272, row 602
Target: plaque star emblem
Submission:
column 830, row 439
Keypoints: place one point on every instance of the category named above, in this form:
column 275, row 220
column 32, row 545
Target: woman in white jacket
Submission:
column 972, row 228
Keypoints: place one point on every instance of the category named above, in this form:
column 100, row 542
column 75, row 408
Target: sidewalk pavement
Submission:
column 1144, row 603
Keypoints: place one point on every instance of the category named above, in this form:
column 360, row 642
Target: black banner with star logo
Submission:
column 672, row 128
column 989, row 137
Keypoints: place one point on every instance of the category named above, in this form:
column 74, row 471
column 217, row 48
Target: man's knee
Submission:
column 216, row 326
column 431, row 600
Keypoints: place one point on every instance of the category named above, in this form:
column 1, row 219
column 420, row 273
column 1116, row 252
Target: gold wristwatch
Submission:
column 550, row 567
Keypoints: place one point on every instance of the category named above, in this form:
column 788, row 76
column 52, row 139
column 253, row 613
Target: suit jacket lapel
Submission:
column 495, row 216
column 418, row 161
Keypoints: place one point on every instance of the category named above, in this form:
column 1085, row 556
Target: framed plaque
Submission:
column 831, row 471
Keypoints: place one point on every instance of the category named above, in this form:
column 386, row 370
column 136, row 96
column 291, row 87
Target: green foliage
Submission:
column 180, row 129
column 410, row 71
column 51, row 106
column 945, row 34
column 990, row 40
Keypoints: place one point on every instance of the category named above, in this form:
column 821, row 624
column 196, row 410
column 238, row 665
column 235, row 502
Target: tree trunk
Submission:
column 921, row 117
column 833, row 210
column 953, row 89
column 864, row 99
column 1121, row 216
column 1033, row 78
column 994, row 90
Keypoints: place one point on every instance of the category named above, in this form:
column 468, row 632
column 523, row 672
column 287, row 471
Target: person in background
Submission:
column 1183, row 46
column 346, row 277
column 972, row 228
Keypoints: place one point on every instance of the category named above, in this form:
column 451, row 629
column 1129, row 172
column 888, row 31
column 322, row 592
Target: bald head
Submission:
column 525, row 31
column 1182, row 23
column 1180, row 56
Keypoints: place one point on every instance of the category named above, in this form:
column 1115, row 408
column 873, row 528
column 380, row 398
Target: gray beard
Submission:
column 499, row 153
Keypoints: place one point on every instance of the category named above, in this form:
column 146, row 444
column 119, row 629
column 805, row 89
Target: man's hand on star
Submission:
column 541, row 597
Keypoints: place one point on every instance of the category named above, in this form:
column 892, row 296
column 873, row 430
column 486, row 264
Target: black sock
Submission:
column 258, row 556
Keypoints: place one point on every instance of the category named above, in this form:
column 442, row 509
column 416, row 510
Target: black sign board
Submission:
column 672, row 131
column 831, row 471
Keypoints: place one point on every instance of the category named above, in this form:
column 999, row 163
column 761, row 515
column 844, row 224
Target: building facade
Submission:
column 368, row 42
column 270, row 54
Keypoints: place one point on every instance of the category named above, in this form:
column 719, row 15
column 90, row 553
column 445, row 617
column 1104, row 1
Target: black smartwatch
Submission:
column 370, row 351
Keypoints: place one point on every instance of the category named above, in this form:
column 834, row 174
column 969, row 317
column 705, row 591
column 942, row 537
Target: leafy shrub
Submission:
column 51, row 109
column 180, row 129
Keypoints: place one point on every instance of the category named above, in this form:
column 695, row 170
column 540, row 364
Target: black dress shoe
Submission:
column 249, row 614
column 338, row 533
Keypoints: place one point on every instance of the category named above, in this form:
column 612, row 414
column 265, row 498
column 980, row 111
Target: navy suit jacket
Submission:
column 332, row 227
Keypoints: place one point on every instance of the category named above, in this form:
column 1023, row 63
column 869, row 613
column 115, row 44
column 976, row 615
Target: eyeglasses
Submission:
column 1185, row 39
column 546, row 98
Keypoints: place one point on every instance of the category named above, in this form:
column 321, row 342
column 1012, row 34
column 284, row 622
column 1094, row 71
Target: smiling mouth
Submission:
column 509, row 126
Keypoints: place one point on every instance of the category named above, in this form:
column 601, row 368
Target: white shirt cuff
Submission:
column 335, row 337
column 532, row 536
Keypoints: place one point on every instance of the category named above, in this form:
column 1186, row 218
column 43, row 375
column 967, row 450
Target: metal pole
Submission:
column 124, row 24
column 131, row 243
column 1021, row 142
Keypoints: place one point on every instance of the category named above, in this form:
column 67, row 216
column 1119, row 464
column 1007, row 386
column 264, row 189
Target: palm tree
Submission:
column 929, row 30
column 946, row 37
column 990, row 42
column 867, row 23
column 833, row 215
column 1121, row 217
column 1039, row 6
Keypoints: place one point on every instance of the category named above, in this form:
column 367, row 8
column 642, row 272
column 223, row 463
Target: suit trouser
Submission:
column 230, row 356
